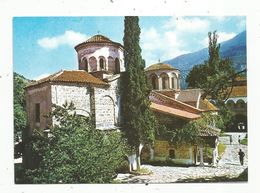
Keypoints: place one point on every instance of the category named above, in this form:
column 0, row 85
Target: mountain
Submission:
column 234, row 49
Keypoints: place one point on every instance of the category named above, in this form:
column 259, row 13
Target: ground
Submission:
column 228, row 167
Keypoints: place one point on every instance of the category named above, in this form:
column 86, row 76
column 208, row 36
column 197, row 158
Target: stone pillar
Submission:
column 170, row 83
column 214, row 156
column 201, row 156
column 160, row 83
column 132, row 162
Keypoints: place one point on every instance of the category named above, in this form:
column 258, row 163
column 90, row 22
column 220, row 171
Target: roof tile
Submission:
column 74, row 76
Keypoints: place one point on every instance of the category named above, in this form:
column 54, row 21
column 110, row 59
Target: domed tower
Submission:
column 163, row 77
column 99, row 55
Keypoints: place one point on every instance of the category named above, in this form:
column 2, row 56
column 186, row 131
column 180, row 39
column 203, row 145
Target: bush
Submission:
column 244, row 141
column 76, row 152
column 221, row 149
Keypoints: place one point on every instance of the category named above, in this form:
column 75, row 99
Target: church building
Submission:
column 94, row 90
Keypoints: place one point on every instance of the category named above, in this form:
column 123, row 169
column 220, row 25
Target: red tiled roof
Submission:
column 238, row 91
column 73, row 76
column 189, row 95
column 159, row 98
column 173, row 111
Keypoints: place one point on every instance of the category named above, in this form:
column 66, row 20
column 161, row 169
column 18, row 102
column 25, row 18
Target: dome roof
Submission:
column 98, row 39
column 160, row 66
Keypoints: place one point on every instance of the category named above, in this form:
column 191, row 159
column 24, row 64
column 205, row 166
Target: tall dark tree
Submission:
column 138, row 121
column 216, row 75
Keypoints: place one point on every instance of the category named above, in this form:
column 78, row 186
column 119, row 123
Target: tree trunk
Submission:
column 138, row 157
column 201, row 156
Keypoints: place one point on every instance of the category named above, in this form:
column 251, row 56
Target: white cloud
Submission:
column 242, row 24
column 181, row 24
column 222, row 36
column 69, row 37
column 41, row 76
column 220, row 18
column 159, row 46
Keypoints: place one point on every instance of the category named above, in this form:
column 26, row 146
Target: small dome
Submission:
column 99, row 38
column 160, row 66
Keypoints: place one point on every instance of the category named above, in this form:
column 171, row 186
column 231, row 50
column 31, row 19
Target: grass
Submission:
column 244, row 141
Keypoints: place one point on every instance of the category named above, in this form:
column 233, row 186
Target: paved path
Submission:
column 229, row 166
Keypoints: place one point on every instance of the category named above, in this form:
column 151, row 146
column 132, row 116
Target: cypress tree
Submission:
column 138, row 121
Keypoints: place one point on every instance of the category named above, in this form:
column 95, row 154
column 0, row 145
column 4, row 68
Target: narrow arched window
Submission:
column 101, row 63
column 154, row 81
column 117, row 66
column 165, row 81
column 86, row 65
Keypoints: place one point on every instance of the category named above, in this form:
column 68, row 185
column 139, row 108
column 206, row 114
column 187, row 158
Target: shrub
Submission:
column 76, row 152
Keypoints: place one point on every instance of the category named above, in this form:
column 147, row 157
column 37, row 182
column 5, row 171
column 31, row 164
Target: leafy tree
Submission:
column 138, row 121
column 189, row 134
column 74, row 151
column 215, row 76
column 19, row 106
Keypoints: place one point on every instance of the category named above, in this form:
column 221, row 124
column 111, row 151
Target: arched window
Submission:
column 101, row 64
column 92, row 64
column 165, row 81
column 117, row 66
column 154, row 81
column 111, row 64
column 240, row 104
column 86, row 65
column 230, row 104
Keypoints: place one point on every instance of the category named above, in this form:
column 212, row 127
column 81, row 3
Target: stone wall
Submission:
column 38, row 95
column 76, row 93
column 183, row 154
column 107, row 106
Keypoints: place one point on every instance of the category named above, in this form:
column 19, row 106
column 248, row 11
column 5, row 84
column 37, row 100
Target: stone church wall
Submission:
column 107, row 106
column 78, row 94
column 38, row 95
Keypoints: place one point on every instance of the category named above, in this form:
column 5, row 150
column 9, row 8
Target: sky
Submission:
column 45, row 45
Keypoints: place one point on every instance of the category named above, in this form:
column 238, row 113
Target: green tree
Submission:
column 19, row 106
column 74, row 151
column 215, row 76
column 138, row 121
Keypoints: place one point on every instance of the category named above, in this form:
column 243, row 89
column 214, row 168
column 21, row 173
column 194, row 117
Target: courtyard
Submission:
column 228, row 168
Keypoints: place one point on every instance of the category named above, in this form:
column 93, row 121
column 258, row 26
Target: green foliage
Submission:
column 19, row 106
column 190, row 132
column 75, row 152
column 221, row 149
column 138, row 120
column 244, row 141
column 215, row 75
column 227, row 117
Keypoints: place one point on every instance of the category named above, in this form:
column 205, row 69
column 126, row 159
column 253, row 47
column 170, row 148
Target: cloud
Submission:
column 222, row 36
column 242, row 24
column 160, row 46
column 70, row 38
column 181, row 24
column 41, row 76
